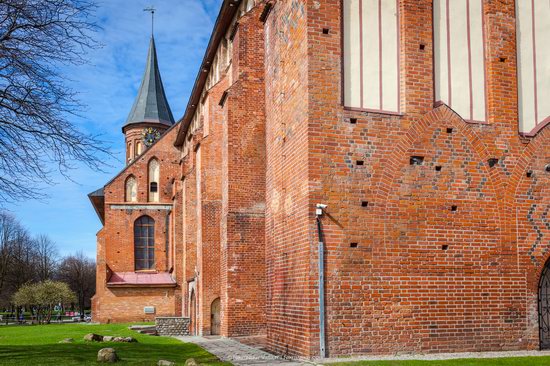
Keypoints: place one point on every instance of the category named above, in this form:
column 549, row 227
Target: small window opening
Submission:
column 449, row 130
column 154, row 187
column 502, row 59
column 438, row 168
column 444, row 247
column 353, row 121
column 422, row 47
column 454, row 208
column 223, row 98
column 353, row 245
column 364, row 203
column 325, row 30
column 529, row 174
column 492, row 162
column 416, row 160
column 547, row 168
column 360, row 162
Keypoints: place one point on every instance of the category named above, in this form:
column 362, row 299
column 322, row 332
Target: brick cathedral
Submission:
column 349, row 177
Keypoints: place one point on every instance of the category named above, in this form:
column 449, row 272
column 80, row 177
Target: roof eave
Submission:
column 128, row 285
column 160, row 122
column 225, row 16
column 98, row 202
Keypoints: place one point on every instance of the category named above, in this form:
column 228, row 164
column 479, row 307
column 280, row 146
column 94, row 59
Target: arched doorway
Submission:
column 544, row 307
column 193, row 314
column 215, row 317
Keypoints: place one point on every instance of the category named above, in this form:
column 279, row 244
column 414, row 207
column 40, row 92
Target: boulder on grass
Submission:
column 107, row 355
column 108, row 338
column 165, row 363
column 191, row 362
column 124, row 339
column 92, row 337
column 67, row 340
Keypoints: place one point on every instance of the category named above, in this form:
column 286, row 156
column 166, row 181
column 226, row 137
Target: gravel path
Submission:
column 240, row 354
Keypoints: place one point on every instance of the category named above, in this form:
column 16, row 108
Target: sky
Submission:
column 108, row 86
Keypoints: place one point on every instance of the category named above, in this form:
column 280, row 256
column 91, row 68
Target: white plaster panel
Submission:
column 477, row 61
column 526, row 85
column 460, row 81
column 390, row 56
column 542, row 36
column 371, row 52
column 440, row 51
column 363, row 75
column 459, row 57
column 352, row 58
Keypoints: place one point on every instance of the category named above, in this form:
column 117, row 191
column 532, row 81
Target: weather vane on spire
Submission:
column 151, row 9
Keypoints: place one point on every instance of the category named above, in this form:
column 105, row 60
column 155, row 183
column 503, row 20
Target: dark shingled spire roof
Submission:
column 151, row 104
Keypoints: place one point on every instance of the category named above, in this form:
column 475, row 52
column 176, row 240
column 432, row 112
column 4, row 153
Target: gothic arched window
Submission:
column 154, row 177
column 138, row 148
column 144, row 243
column 129, row 152
column 131, row 189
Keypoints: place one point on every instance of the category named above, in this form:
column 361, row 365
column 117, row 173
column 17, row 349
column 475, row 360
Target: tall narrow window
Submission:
column 459, row 55
column 533, row 55
column 154, row 177
column 144, row 243
column 138, row 148
column 131, row 189
column 371, row 54
column 129, row 152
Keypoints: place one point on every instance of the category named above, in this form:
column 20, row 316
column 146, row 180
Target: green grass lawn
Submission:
column 35, row 345
column 512, row 361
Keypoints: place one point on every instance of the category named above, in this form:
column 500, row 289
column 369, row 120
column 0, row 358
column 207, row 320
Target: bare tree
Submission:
column 8, row 228
column 37, row 39
column 78, row 272
column 46, row 258
column 23, row 262
column 18, row 257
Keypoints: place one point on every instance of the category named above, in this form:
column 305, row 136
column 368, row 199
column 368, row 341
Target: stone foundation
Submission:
column 172, row 326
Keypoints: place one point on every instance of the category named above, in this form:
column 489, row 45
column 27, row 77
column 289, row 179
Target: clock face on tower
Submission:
column 150, row 135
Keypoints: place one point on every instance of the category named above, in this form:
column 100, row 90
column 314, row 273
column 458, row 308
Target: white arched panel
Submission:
column 154, row 179
column 131, row 189
column 371, row 54
column 459, row 55
column 533, row 32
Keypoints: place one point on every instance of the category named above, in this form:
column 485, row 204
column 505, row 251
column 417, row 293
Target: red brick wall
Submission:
column 290, row 256
column 211, row 185
column 116, row 239
column 189, row 186
column 421, row 276
column 243, row 186
column 400, row 289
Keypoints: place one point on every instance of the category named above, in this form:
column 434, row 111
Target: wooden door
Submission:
column 215, row 317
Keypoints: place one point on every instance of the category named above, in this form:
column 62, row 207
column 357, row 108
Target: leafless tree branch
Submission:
column 37, row 39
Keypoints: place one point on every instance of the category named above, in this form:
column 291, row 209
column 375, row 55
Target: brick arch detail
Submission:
column 524, row 161
column 532, row 272
column 399, row 157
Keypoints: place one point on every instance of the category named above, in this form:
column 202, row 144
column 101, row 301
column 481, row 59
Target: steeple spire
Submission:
column 151, row 104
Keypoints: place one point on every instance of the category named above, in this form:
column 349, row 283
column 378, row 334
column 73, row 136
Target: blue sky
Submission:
column 108, row 86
